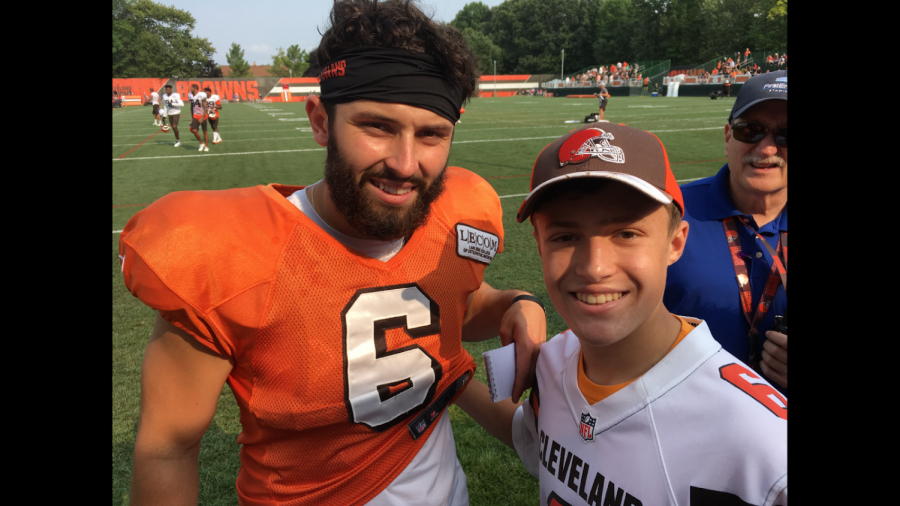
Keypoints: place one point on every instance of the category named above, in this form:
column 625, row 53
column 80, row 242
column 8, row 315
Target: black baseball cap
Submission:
column 770, row 86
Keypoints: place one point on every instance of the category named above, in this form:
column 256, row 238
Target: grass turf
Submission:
column 271, row 143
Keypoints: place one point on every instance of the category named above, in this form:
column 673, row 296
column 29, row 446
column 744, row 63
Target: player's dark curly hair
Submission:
column 398, row 24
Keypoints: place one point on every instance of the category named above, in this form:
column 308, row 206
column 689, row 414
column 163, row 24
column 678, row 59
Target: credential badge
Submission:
column 587, row 427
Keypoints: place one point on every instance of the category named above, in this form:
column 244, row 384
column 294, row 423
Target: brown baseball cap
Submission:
column 625, row 154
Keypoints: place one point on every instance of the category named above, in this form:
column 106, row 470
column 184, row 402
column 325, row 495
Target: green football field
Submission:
column 498, row 139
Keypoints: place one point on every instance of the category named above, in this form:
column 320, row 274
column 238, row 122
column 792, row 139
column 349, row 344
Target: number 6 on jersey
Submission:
column 383, row 386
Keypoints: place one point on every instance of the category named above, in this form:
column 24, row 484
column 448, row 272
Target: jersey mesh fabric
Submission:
column 283, row 326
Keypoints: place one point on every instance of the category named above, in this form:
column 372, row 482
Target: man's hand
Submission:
column 525, row 324
column 491, row 312
column 774, row 357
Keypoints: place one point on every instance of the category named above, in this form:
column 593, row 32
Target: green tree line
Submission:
column 528, row 36
column 151, row 39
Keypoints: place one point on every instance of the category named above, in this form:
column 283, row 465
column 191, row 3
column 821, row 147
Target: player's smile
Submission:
column 394, row 192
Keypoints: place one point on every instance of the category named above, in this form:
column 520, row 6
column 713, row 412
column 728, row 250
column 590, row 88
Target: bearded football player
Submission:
column 334, row 311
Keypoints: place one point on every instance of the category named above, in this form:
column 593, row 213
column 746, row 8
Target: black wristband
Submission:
column 531, row 298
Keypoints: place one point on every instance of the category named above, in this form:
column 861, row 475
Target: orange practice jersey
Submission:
column 337, row 355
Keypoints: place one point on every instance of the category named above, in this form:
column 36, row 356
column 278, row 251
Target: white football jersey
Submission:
column 197, row 104
column 172, row 103
column 211, row 102
column 698, row 428
column 154, row 98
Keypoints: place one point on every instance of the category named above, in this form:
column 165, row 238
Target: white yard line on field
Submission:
column 510, row 196
column 322, row 149
column 163, row 143
column 216, row 154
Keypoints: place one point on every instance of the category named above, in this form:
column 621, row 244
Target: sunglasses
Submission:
column 751, row 133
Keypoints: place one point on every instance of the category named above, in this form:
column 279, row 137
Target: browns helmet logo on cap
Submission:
column 587, row 143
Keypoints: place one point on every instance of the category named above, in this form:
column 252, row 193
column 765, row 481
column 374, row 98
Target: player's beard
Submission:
column 360, row 209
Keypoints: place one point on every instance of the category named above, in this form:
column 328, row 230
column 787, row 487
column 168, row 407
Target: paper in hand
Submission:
column 500, row 366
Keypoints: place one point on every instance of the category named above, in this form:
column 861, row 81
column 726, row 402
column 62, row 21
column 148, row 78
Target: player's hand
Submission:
column 525, row 324
column 774, row 357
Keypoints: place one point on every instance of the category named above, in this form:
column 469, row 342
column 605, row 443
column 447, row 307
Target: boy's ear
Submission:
column 318, row 119
column 677, row 241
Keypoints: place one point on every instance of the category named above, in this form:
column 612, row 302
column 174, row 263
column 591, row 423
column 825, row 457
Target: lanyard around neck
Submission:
column 777, row 276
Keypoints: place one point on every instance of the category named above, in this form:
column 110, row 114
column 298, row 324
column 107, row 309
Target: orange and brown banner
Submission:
column 273, row 88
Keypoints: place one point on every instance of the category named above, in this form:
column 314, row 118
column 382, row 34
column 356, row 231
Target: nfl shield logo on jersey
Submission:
column 587, row 427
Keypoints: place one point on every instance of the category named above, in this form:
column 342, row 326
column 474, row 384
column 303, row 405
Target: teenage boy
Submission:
column 633, row 405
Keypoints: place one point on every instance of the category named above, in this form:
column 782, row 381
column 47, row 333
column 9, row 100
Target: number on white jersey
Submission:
column 751, row 384
column 382, row 387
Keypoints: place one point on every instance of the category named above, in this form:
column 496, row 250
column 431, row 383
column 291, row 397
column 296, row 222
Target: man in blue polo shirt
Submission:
column 738, row 219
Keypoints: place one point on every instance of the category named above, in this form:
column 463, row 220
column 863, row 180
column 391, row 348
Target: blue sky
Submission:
column 261, row 27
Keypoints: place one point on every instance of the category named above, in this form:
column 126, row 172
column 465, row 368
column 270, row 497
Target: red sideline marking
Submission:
column 130, row 205
column 139, row 145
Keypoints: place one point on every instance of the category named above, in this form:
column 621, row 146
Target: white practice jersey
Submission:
column 212, row 102
column 699, row 428
column 172, row 103
column 154, row 98
column 197, row 104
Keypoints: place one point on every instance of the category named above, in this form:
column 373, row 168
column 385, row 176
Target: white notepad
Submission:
column 500, row 366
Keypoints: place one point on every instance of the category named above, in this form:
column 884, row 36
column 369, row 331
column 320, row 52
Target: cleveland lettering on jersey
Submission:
column 476, row 244
column 573, row 472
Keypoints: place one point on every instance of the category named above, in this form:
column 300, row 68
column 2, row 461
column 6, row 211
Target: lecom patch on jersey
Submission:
column 476, row 244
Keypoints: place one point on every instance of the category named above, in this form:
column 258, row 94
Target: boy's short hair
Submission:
column 575, row 189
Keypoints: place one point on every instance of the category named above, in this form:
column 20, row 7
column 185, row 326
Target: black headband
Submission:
column 390, row 75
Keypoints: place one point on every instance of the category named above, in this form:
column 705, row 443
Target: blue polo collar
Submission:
column 720, row 206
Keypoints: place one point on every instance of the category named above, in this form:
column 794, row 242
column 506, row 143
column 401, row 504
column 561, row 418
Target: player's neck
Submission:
column 634, row 355
column 320, row 197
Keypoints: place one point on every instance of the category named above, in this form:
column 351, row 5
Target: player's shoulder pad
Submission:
column 206, row 246
column 470, row 205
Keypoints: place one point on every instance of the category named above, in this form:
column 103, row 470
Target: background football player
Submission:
column 199, row 110
column 214, row 103
column 154, row 101
column 172, row 103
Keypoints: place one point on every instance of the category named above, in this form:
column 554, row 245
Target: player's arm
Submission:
column 180, row 385
column 205, row 107
column 495, row 417
column 491, row 312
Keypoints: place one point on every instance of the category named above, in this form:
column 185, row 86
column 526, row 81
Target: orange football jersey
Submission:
column 338, row 356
